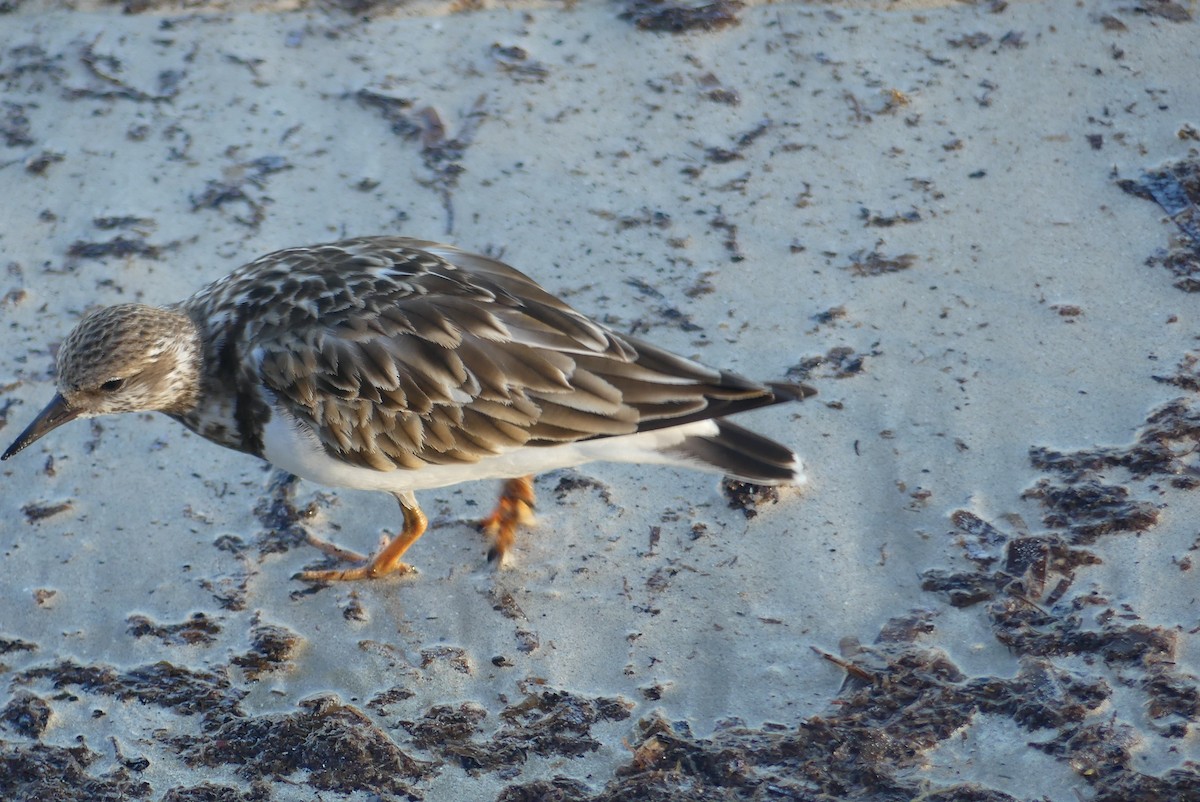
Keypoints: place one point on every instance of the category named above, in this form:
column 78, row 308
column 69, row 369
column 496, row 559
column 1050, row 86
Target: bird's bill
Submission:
column 56, row 413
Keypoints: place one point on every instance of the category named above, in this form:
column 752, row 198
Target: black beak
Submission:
column 56, row 413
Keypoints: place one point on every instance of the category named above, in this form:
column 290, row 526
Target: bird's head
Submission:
column 124, row 358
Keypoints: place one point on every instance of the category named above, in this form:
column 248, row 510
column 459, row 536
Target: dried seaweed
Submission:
column 873, row 263
column 1163, row 447
column 672, row 17
column 39, row 512
column 27, row 714
column 441, row 154
column 240, row 186
column 271, row 648
column 43, row 772
column 900, row 700
column 839, row 362
column 747, row 496
column 338, row 747
column 210, row 792
column 1087, row 510
column 16, row 645
column 199, row 630
column 280, row 517
column 1176, row 188
column 162, row 684
column 960, row 589
column 546, row 722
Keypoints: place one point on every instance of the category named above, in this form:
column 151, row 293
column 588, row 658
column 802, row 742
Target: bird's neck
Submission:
column 184, row 361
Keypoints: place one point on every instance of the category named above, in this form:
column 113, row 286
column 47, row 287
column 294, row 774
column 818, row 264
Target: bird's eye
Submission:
column 112, row 385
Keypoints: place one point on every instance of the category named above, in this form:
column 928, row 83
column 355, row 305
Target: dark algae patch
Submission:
column 679, row 17
column 1163, row 447
column 546, row 723
column 210, row 792
column 26, row 714
column 441, row 152
column 199, row 630
column 36, row 512
column 748, row 497
column 271, row 648
column 1089, row 509
column 120, row 247
column 1176, row 188
column 865, row 264
column 8, row 645
column 336, row 747
column 242, row 189
column 324, row 744
column 281, row 519
column 959, row 589
column 42, row 772
column 161, row 684
column 840, row 362
column 900, row 700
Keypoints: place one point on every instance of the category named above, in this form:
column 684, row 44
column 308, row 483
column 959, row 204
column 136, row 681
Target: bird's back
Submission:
column 401, row 353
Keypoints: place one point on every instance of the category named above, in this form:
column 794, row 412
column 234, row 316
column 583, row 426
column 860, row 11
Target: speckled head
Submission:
column 124, row 358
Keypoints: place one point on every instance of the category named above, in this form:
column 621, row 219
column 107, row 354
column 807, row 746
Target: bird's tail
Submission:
column 745, row 455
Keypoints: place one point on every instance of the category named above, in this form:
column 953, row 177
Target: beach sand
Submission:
column 972, row 227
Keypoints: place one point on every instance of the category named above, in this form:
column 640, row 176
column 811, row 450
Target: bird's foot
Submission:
column 368, row 567
column 372, row 569
column 386, row 559
column 515, row 508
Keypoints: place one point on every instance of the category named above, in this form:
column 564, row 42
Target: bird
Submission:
column 396, row 364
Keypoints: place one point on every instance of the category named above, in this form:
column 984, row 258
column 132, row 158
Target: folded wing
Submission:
column 404, row 353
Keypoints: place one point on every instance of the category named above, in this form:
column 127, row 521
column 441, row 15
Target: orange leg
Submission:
column 514, row 508
column 386, row 560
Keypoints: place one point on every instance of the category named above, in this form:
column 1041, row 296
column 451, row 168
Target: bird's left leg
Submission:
column 514, row 508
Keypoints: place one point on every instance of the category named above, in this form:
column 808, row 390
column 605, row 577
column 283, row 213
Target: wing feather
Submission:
column 419, row 353
column 588, row 424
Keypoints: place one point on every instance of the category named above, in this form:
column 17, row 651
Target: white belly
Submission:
column 290, row 445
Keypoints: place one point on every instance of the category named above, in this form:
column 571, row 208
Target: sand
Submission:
column 915, row 207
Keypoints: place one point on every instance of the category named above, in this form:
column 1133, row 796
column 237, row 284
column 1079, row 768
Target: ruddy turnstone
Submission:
column 387, row 363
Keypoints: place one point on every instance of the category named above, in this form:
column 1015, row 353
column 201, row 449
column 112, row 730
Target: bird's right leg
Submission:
column 387, row 560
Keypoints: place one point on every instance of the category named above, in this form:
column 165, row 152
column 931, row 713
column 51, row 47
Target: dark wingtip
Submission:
column 745, row 455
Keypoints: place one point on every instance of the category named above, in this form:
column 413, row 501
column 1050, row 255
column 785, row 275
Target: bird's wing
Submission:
column 400, row 353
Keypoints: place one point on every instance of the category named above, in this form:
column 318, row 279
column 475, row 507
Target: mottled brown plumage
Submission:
column 399, row 364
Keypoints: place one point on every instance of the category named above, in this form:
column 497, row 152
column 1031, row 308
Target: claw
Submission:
column 387, row 560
